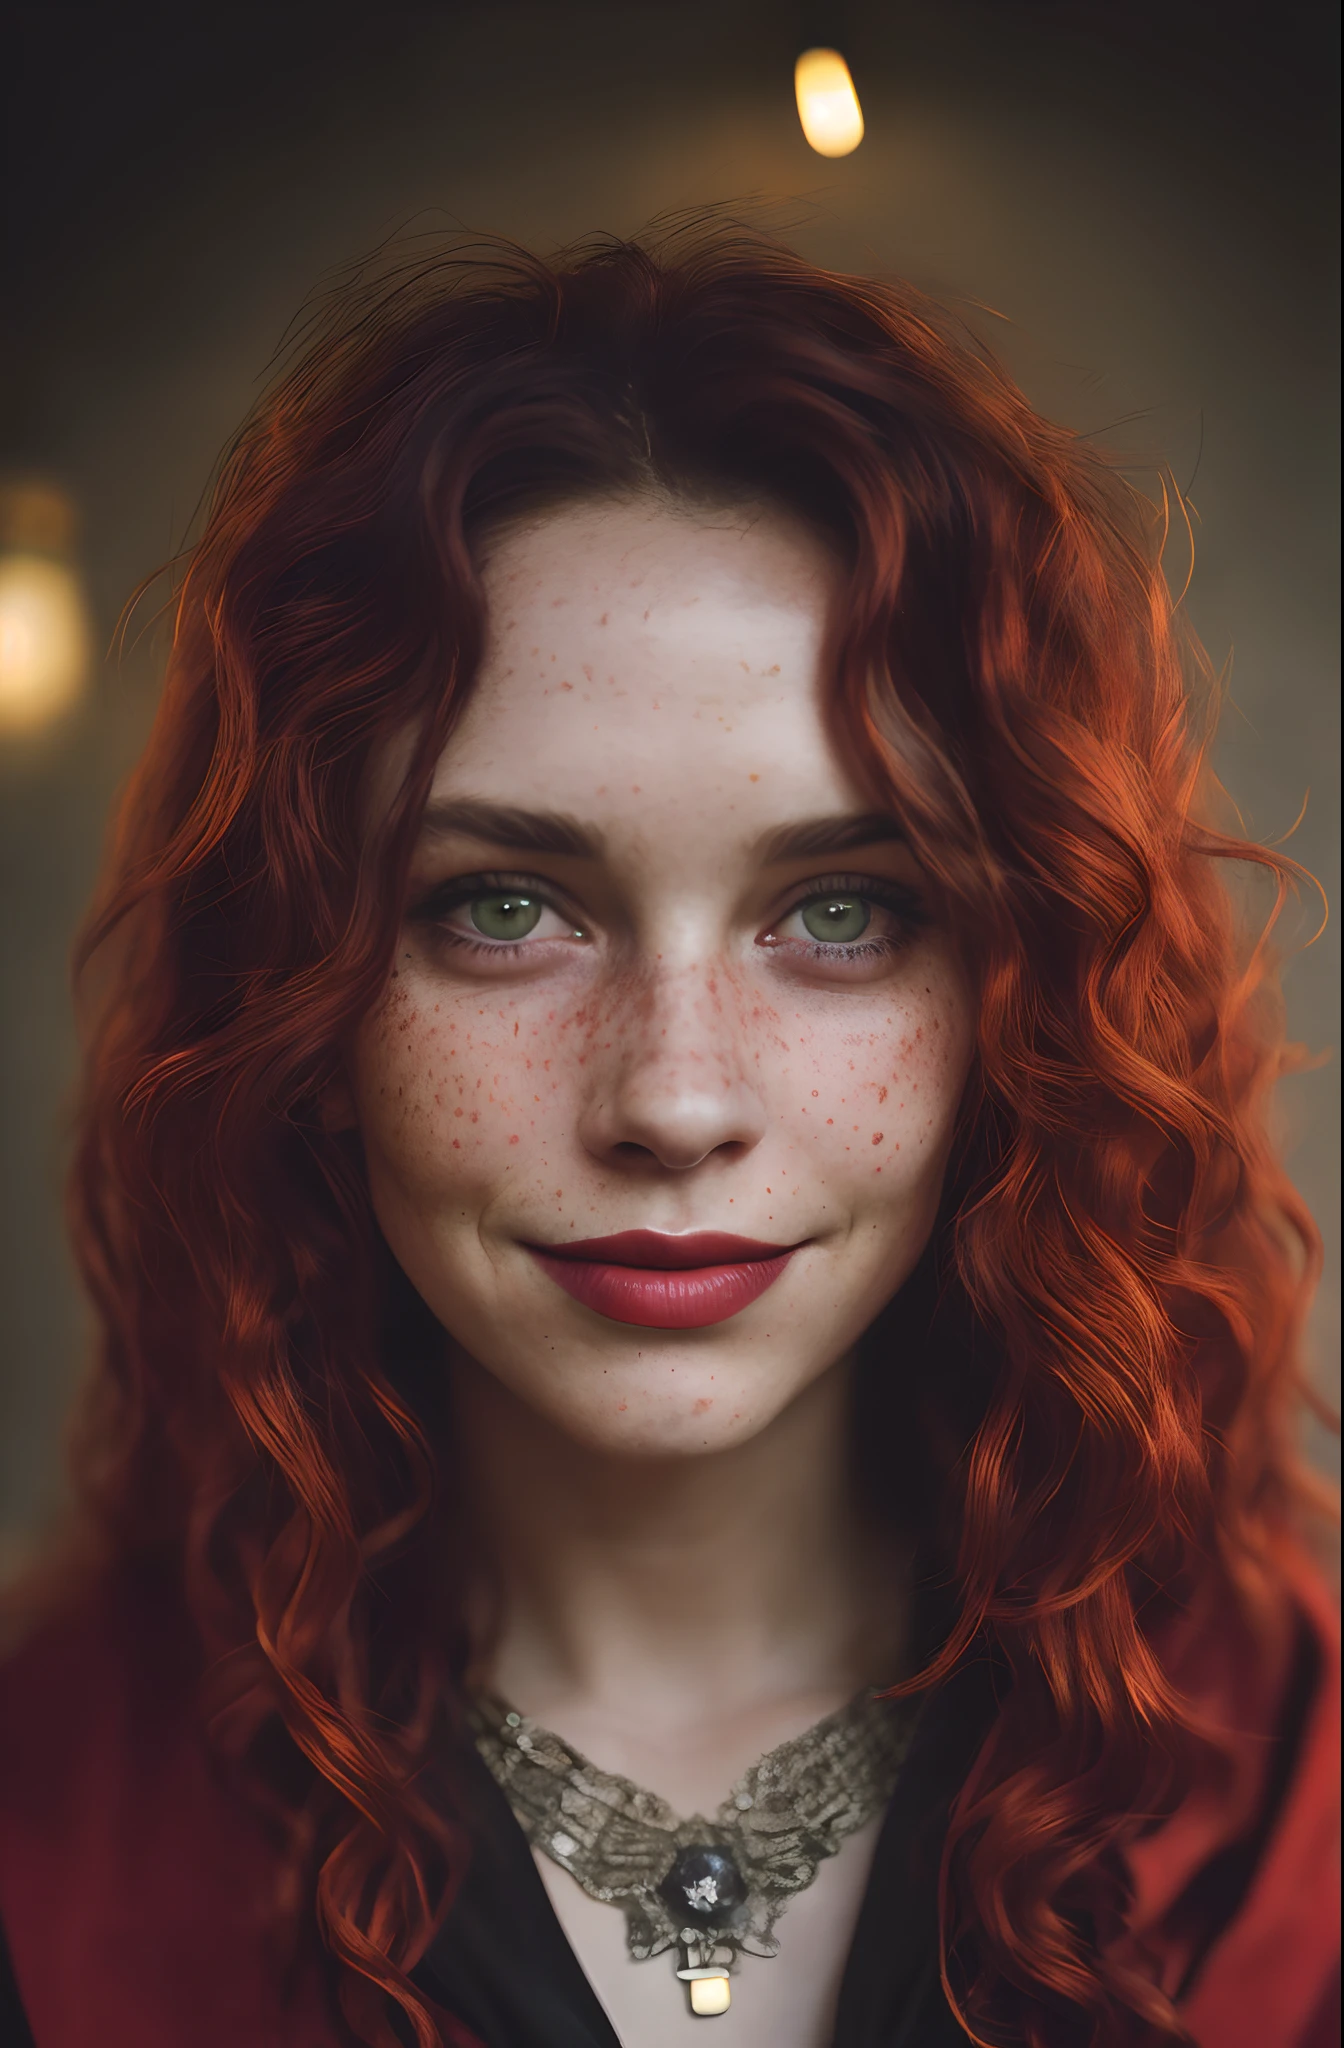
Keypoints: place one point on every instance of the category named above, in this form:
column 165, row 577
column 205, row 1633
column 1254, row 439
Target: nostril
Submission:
column 674, row 1157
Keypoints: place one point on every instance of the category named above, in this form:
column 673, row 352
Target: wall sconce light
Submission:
column 828, row 105
column 44, row 624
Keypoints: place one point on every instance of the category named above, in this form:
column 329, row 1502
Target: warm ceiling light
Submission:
column 44, row 628
column 828, row 105
column 44, row 640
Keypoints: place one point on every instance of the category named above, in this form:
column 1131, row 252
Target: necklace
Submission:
column 711, row 1888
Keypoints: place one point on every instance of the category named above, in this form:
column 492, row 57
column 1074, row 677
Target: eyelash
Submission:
column 433, row 907
column 903, row 902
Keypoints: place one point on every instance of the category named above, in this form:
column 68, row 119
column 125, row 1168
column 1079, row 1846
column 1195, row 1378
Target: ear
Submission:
column 336, row 1104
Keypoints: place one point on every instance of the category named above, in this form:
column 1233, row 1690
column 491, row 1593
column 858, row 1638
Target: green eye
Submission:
column 841, row 919
column 505, row 915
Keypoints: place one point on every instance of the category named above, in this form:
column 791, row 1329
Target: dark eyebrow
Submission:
column 554, row 832
column 819, row 836
column 504, row 825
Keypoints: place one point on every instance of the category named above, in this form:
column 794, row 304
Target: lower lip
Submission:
column 691, row 1299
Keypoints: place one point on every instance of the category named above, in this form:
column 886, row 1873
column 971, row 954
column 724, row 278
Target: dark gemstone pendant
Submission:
column 704, row 1888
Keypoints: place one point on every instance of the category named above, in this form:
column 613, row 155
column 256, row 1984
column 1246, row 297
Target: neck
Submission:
column 674, row 1586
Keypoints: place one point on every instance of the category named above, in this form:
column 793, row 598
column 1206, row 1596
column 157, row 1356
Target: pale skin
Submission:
column 681, row 1573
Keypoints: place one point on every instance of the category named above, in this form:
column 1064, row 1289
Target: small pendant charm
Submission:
column 708, row 1983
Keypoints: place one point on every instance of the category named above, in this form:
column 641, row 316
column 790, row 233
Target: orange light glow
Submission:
column 828, row 105
column 44, row 640
column 44, row 627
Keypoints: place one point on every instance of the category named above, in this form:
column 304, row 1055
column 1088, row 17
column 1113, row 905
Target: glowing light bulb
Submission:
column 44, row 628
column 44, row 640
column 828, row 105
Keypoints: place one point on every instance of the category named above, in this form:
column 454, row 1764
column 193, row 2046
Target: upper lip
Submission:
column 654, row 1248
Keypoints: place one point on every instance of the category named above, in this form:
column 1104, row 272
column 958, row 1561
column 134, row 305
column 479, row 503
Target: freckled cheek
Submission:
column 449, row 1098
column 878, row 1097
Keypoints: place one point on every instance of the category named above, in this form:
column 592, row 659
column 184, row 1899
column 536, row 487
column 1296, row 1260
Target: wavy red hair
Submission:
column 1120, row 1255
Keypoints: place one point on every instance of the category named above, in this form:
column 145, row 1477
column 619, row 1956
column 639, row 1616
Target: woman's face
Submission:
column 664, row 980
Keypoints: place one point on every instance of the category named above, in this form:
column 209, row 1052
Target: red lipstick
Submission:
column 661, row 1282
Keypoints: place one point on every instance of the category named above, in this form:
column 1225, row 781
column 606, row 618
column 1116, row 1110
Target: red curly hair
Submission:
column 1119, row 1253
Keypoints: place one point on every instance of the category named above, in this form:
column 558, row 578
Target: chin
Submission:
column 650, row 1437
column 683, row 1402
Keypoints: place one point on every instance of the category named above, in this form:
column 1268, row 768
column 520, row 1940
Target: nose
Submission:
column 671, row 1087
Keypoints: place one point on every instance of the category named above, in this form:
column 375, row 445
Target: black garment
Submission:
column 15, row 2031
column 503, row 1965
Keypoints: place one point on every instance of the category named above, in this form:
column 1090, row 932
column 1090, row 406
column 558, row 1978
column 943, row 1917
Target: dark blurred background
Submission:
column 1135, row 203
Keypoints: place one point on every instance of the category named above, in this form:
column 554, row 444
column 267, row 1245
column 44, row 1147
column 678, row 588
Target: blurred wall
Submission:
column 1134, row 201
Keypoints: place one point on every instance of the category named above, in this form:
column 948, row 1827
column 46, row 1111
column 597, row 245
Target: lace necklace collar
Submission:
column 712, row 1888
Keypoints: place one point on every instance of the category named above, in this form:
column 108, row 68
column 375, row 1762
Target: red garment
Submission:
column 133, row 1889
column 1271, row 1978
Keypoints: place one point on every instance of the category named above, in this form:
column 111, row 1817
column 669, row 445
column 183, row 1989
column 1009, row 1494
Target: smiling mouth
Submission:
column 660, row 1282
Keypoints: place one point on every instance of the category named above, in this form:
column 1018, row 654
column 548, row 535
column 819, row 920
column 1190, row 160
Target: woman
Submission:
column 699, row 1330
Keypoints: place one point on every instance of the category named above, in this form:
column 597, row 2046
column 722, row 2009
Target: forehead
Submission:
column 640, row 655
